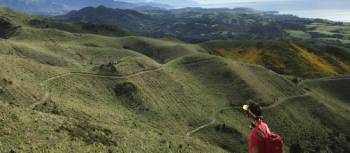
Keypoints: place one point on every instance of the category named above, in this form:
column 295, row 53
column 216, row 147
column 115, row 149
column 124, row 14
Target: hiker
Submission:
column 261, row 139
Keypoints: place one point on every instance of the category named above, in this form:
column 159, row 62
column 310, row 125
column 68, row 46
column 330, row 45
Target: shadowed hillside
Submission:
column 195, row 24
column 67, row 89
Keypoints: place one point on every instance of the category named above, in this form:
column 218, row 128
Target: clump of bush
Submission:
column 48, row 107
column 125, row 89
column 128, row 93
column 7, row 29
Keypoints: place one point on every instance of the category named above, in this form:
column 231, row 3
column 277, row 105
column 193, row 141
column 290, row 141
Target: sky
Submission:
column 336, row 10
column 231, row 1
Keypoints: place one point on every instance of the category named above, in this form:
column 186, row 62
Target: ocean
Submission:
column 335, row 10
column 334, row 15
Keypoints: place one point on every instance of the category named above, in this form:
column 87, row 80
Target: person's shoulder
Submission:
column 253, row 132
column 264, row 127
column 263, row 124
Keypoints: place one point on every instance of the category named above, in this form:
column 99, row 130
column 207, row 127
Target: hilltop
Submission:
column 68, row 88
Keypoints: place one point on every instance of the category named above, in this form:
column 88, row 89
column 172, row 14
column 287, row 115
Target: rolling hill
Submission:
column 304, row 59
column 68, row 88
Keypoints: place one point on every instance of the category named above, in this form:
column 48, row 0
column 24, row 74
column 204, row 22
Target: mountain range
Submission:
column 200, row 24
column 58, row 7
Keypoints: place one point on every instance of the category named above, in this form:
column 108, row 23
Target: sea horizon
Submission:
column 338, row 13
column 328, row 14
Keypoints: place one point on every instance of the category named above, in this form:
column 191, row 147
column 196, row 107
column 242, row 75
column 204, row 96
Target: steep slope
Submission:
column 298, row 58
column 80, row 92
column 7, row 28
column 298, row 118
column 11, row 22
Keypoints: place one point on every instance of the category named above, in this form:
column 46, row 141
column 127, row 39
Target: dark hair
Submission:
column 255, row 108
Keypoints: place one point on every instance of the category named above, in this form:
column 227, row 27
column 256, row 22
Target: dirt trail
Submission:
column 100, row 75
column 188, row 134
column 47, row 93
column 214, row 120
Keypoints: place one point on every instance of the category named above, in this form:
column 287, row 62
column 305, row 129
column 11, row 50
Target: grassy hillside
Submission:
column 339, row 33
column 298, row 58
column 63, row 90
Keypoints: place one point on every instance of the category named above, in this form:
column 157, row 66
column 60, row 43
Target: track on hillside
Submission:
column 214, row 120
column 188, row 134
column 47, row 93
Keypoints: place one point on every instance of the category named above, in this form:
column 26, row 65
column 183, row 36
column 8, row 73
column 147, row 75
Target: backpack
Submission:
column 273, row 143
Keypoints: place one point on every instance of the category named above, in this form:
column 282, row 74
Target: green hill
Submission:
column 71, row 90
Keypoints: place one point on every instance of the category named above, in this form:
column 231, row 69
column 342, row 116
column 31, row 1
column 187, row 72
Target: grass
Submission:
column 177, row 89
column 80, row 27
column 298, row 34
column 250, row 55
column 339, row 33
column 317, row 62
column 284, row 56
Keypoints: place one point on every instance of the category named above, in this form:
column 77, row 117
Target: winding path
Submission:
column 100, row 75
column 214, row 120
column 47, row 93
column 188, row 134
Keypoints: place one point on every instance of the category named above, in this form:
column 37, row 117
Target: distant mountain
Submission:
column 200, row 24
column 125, row 18
column 57, row 7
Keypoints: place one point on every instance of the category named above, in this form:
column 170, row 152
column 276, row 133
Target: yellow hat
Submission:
column 245, row 107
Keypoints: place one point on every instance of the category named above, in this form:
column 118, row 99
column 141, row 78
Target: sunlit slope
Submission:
column 302, row 59
column 231, row 81
column 76, row 106
column 81, row 92
column 60, row 88
column 98, row 110
column 318, row 114
column 333, row 87
column 82, row 114
column 85, row 108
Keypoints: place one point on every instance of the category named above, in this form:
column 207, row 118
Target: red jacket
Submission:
column 256, row 137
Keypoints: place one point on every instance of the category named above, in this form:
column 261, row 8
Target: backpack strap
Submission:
column 260, row 133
